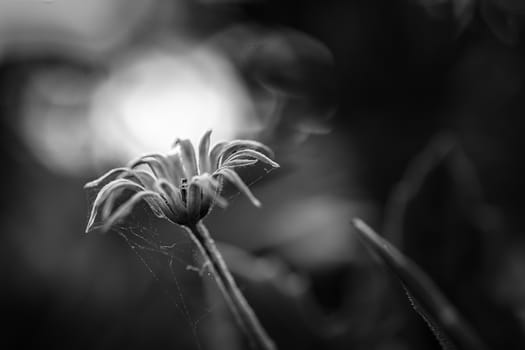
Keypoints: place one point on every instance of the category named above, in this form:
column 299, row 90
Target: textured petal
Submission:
column 238, row 145
column 137, row 161
column 172, row 167
column 232, row 176
column 239, row 163
column 194, row 200
column 143, row 177
column 110, row 175
column 215, row 153
column 176, row 169
column 204, row 147
column 156, row 162
column 105, row 192
column 174, row 198
column 252, row 154
column 210, row 188
column 160, row 209
column 147, row 180
column 187, row 153
column 126, row 208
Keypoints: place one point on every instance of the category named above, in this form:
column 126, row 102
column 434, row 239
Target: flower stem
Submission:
column 240, row 308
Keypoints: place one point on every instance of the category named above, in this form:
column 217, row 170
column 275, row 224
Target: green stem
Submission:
column 240, row 308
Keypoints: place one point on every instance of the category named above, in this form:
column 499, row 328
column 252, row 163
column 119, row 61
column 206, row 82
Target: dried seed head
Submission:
column 177, row 186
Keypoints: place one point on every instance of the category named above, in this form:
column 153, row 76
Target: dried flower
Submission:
column 177, row 186
column 182, row 189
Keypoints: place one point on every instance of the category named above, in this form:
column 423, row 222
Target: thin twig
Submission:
column 240, row 308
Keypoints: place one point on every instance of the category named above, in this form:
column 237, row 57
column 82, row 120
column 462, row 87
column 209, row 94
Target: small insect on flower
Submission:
column 177, row 186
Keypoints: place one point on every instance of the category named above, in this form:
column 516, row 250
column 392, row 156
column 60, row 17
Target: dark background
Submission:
column 399, row 75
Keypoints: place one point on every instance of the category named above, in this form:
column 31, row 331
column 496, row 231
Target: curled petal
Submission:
column 110, row 175
column 138, row 160
column 213, row 182
column 126, row 208
column 211, row 188
column 187, row 154
column 215, row 153
column 171, row 167
column 173, row 196
column 204, row 147
column 238, row 163
column 252, row 154
column 194, row 200
column 160, row 209
column 105, row 192
column 177, row 186
column 238, row 145
column 174, row 162
column 143, row 177
column 147, row 180
column 156, row 162
column 232, row 176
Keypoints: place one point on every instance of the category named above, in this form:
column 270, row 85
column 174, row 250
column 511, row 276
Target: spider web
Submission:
column 179, row 271
column 169, row 263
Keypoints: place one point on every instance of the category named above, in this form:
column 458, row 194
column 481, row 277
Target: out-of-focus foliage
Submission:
column 459, row 11
column 505, row 18
column 290, row 74
column 352, row 96
column 448, row 326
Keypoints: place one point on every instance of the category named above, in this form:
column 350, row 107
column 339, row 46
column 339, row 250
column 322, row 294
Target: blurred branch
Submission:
column 428, row 301
column 485, row 217
column 443, row 148
column 410, row 185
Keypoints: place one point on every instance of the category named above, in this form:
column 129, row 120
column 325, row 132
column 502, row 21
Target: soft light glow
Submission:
column 74, row 123
column 158, row 97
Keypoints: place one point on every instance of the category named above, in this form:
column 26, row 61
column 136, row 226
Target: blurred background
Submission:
column 405, row 113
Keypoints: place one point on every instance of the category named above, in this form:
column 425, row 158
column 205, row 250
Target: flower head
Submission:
column 177, row 186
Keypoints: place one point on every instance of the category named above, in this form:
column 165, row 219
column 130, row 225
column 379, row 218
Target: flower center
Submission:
column 184, row 190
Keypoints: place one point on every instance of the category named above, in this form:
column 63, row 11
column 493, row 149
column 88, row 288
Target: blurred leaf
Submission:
column 441, row 316
column 445, row 224
column 460, row 11
column 505, row 23
column 513, row 6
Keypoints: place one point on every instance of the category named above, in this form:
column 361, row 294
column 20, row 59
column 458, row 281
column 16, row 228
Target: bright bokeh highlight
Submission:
column 160, row 96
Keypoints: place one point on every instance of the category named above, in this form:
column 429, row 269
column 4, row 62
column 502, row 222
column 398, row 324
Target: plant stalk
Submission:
column 243, row 313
